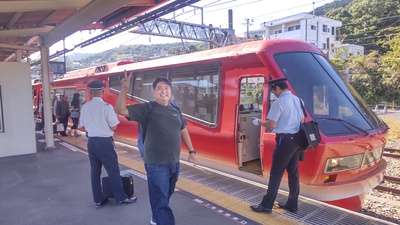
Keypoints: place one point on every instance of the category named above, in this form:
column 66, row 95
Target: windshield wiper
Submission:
column 340, row 120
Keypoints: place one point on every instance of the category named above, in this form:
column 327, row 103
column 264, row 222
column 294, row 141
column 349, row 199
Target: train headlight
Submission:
column 372, row 156
column 341, row 164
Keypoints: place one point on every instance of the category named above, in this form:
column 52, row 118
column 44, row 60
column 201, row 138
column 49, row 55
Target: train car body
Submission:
column 219, row 90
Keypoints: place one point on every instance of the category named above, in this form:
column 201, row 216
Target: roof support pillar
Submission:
column 46, row 98
column 19, row 55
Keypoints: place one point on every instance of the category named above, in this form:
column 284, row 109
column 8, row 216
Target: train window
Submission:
column 324, row 93
column 114, row 82
column 251, row 93
column 143, row 83
column 70, row 93
column 55, row 96
column 56, row 93
column 328, row 104
column 353, row 96
column 195, row 89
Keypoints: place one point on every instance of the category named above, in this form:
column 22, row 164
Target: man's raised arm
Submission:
column 120, row 105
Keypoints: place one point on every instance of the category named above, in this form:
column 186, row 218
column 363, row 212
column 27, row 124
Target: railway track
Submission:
column 393, row 153
column 388, row 188
column 390, row 152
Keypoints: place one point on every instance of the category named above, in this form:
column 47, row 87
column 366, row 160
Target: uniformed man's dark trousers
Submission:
column 286, row 156
column 102, row 152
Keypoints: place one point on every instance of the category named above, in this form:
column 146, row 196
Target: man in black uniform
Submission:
column 283, row 119
column 99, row 120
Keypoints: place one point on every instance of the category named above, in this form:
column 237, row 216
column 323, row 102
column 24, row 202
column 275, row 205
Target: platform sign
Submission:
column 57, row 67
column 1, row 114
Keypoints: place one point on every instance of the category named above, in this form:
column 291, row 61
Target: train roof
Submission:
column 232, row 51
column 88, row 71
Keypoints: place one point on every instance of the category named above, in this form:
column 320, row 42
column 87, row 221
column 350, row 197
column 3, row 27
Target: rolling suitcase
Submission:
column 127, row 183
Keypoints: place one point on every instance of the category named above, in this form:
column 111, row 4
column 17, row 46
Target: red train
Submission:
column 219, row 90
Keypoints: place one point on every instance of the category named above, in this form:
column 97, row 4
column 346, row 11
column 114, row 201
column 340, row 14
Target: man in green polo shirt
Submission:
column 165, row 129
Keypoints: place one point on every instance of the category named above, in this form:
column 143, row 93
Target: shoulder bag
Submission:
column 75, row 113
column 310, row 132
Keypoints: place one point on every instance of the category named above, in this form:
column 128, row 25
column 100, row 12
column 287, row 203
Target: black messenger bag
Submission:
column 310, row 132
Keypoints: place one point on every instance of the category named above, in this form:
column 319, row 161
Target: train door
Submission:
column 248, row 139
column 35, row 99
column 37, row 93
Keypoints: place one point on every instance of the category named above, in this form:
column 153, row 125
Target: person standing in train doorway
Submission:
column 166, row 127
column 63, row 113
column 75, row 111
column 99, row 120
column 284, row 119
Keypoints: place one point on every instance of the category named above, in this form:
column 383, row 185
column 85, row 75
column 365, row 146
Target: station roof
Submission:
column 24, row 22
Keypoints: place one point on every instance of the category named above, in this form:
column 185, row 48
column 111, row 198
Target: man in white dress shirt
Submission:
column 99, row 120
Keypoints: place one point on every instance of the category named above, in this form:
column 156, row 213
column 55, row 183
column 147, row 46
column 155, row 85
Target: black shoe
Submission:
column 100, row 204
column 283, row 206
column 64, row 134
column 127, row 201
column 261, row 209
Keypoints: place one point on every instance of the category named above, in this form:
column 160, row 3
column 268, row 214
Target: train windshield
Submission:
column 328, row 97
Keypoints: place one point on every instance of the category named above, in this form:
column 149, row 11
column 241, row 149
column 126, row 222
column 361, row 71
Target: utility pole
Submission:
column 248, row 22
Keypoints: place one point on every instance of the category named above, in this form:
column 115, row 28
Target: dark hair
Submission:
column 283, row 85
column 76, row 96
column 161, row 79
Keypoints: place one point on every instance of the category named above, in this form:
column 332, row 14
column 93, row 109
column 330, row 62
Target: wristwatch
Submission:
column 192, row 152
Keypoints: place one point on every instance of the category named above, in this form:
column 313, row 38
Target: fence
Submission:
column 384, row 107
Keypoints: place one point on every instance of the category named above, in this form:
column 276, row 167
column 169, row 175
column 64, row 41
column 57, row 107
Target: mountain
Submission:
column 370, row 23
column 323, row 10
column 134, row 52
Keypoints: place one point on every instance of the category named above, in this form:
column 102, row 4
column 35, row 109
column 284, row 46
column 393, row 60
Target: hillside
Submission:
column 133, row 52
column 370, row 23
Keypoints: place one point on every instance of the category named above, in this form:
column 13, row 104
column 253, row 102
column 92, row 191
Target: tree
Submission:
column 391, row 70
column 367, row 22
column 365, row 76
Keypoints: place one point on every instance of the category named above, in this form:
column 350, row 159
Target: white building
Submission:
column 346, row 50
column 317, row 30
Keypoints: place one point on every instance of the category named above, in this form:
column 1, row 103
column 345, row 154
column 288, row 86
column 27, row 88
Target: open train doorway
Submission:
column 248, row 139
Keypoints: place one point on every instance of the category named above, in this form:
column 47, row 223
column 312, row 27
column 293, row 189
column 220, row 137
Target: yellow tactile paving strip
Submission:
column 220, row 198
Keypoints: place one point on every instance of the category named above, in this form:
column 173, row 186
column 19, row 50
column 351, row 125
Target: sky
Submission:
column 215, row 12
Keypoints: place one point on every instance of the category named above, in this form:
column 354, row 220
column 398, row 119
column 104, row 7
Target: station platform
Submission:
column 53, row 187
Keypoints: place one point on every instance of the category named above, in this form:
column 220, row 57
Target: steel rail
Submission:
column 390, row 152
column 392, row 179
column 389, row 189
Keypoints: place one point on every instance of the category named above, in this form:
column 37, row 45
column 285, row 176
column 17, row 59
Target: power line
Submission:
column 365, row 38
column 377, row 19
column 291, row 8
column 387, row 33
column 237, row 23
column 208, row 6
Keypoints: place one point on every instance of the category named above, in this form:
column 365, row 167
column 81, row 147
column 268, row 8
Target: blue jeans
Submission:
column 161, row 180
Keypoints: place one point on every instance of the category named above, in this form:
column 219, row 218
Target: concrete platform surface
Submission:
column 52, row 187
